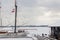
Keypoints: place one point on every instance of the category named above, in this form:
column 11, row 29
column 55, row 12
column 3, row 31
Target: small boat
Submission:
column 6, row 34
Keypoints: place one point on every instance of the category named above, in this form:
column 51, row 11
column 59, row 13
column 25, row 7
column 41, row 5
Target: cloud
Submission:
column 48, row 3
column 40, row 16
column 37, row 12
column 26, row 3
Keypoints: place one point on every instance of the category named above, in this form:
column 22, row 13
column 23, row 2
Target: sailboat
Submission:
column 21, row 33
column 18, row 33
column 1, row 31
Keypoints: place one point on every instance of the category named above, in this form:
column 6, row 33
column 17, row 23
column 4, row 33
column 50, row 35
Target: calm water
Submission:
column 31, row 30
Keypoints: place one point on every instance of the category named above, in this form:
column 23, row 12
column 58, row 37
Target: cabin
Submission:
column 55, row 32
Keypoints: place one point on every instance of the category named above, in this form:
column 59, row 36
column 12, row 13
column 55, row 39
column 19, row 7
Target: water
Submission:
column 31, row 30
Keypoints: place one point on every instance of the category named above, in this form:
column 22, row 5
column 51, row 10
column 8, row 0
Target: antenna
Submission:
column 15, row 17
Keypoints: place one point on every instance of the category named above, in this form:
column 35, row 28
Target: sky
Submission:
column 31, row 12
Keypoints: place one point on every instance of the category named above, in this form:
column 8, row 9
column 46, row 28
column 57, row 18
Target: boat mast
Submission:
column 0, row 15
column 15, row 17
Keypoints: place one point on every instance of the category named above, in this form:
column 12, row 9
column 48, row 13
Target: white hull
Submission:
column 16, row 39
column 12, row 35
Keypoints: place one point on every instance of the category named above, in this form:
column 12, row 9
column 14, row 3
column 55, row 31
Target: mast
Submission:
column 0, row 15
column 15, row 17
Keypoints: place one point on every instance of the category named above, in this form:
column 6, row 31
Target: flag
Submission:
column 13, row 10
column 0, row 7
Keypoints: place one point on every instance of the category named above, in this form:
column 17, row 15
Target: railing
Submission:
column 46, row 38
column 43, row 38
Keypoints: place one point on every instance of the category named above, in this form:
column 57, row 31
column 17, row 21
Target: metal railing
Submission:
column 43, row 38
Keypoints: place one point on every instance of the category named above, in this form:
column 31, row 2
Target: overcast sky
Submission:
column 31, row 12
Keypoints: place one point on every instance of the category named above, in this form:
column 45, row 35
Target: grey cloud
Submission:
column 51, row 4
column 34, row 11
column 26, row 3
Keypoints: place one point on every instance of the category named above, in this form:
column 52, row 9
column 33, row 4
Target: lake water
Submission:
column 31, row 30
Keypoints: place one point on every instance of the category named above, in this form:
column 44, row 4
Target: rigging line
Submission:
column 25, row 23
column 10, row 23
